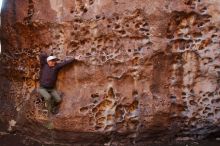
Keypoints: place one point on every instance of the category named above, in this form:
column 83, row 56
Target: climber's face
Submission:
column 52, row 63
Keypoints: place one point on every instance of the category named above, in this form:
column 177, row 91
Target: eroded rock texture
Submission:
column 150, row 69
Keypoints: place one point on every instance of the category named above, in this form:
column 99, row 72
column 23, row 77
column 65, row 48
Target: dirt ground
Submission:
column 19, row 140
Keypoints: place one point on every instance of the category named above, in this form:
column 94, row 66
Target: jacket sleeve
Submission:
column 64, row 63
column 43, row 59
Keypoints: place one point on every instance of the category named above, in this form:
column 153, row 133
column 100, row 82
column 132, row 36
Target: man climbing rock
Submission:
column 49, row 69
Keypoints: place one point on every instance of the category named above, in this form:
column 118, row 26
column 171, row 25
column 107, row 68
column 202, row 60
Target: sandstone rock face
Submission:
column 150, row 69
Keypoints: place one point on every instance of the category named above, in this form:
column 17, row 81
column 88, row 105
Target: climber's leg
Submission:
column 57, row 100
column 56, row 96
column 43, row 92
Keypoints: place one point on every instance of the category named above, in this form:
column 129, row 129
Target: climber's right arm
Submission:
column 43, row 59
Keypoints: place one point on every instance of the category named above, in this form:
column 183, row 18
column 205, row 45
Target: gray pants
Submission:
column 49, row 95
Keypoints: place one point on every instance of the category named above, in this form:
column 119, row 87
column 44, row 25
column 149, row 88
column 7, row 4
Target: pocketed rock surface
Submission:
column 150, row 70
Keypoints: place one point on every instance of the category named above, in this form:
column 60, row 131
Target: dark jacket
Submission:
column 48, row 75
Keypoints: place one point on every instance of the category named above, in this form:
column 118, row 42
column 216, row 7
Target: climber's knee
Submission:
column 56, row 96
column 43, row 92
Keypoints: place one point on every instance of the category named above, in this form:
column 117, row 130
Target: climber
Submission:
column 49, row 69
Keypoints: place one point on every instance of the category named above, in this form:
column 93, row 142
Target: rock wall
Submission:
column 150, row 69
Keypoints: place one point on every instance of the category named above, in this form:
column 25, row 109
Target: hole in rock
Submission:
column 192, row 102
column 217, row 111
column 84, row 9
column 111, row 92
column 122, row 32
column 143, row 29
column 117, row 26
column 95, row 95
column 214, row 35
column 71, row 11
column 205, row 100
column 97, row 127
column 137, row 25
column 173, row 97
column 217, row 101
column 97, row 17
column 145, row 24
column 183, row 93
column 135, row 93
column 210, row 115
column 91, row 2
column 211, row 94
column 83, row 109
column 207, row 109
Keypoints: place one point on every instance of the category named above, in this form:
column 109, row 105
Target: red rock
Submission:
column 150, row 69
